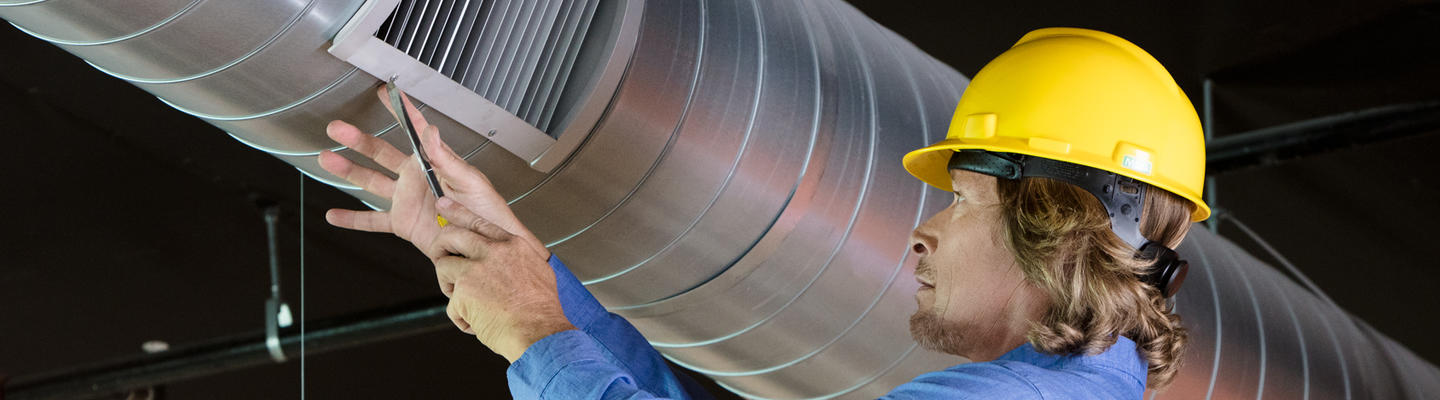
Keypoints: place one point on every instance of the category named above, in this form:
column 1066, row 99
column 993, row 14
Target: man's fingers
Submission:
column 460, row 216
column 457, row 317
column 448, row 269
column 379, row 150
column 368, row 179
column 369, row 221
column 447, row 288
column 450, row 167
column 456, row 240
column 416, row 119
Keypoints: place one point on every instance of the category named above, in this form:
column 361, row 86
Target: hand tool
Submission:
column 404, row 116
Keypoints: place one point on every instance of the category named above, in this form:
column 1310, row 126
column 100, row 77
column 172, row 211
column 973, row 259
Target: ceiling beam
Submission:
column 1277, row 144
column 229, row 353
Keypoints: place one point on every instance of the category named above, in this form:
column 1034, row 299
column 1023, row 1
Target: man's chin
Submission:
column 930, row 333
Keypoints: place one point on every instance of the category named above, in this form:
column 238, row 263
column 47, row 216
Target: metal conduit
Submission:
column 741, row 201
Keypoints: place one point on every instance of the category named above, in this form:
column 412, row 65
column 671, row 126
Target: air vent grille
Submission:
column 516, row 53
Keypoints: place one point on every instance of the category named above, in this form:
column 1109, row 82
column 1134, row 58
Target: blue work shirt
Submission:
column 606, row 358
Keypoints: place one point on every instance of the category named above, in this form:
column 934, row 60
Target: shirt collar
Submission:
column 1122, row 356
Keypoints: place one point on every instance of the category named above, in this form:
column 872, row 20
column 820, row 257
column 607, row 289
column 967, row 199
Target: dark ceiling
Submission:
column 127, row 221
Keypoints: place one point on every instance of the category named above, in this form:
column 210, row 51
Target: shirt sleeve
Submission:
column 572, row 365
column 606, row 358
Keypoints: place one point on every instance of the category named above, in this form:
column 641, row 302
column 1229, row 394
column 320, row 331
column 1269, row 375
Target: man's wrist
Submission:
column 529, row 336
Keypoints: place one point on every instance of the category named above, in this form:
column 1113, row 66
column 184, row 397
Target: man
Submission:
column 1076, row 164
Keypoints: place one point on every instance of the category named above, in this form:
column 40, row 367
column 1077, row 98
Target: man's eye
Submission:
column 958, row 197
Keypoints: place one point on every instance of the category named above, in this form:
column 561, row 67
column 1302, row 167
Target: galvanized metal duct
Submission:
column 741, row 201
column 1254, row 332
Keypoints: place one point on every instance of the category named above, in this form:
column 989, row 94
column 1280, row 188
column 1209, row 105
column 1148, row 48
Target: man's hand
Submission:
column 412, row 213
column 412, row 208
column 503, row 289
column 494, row 270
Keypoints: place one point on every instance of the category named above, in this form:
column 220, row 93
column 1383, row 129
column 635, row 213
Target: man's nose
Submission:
column 921, row 243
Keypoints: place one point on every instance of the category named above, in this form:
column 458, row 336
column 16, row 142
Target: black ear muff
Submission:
column 1167, row 271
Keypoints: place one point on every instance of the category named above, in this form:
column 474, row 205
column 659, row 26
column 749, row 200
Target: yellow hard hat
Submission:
column 1079, row 96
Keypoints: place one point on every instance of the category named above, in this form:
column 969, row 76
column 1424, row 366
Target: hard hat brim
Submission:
column 929, row 164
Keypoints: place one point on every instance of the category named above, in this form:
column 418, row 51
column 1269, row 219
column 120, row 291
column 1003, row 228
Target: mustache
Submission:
column 923, row 268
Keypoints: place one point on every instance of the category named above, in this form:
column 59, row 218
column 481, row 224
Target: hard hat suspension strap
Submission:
column 1123, row 198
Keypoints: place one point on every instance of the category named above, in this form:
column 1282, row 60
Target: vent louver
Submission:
column 531, row 76
column 515, row 53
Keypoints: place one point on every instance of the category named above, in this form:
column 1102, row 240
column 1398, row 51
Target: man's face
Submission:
column 968, row 277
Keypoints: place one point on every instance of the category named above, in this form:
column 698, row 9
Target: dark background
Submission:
column 127, row 221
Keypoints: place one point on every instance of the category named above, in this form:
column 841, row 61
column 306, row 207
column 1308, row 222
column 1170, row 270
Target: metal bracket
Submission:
column 277, row 313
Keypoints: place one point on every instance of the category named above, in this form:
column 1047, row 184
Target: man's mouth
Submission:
column 922, row 275
column 924, row 283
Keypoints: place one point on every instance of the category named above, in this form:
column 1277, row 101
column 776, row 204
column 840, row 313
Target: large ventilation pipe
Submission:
column 740, row 198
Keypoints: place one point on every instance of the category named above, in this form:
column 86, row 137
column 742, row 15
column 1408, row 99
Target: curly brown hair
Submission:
column 1061, row 237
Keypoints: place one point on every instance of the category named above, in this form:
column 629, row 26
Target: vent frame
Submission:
column 357, row 44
